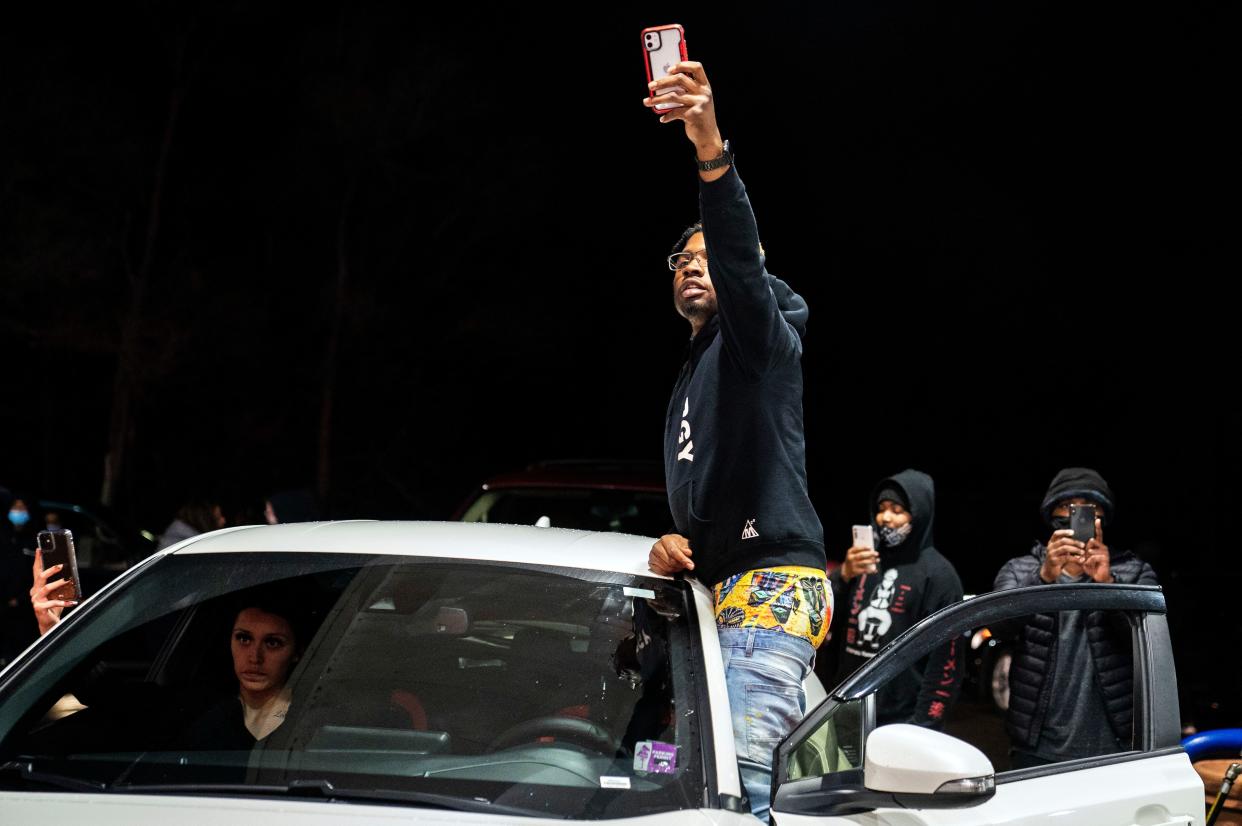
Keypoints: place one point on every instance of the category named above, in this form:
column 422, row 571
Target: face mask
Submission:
column 1060, row 523
column 19, row 518
column 892, row 537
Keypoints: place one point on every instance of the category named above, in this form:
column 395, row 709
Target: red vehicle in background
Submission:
column 624, row 497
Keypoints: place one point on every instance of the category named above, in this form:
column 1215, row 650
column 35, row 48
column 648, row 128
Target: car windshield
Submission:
column 485, row 686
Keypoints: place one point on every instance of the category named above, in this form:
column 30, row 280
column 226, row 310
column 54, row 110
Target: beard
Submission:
column 695, row 309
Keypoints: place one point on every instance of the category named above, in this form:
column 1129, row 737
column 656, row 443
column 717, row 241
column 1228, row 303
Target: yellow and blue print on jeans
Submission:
column 792, row 598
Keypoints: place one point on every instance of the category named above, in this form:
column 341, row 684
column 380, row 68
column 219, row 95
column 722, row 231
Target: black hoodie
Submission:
column 734, row 447
column 16, row 618
column 913, row 581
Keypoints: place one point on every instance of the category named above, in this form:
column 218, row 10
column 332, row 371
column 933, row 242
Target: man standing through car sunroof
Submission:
column 735, row 451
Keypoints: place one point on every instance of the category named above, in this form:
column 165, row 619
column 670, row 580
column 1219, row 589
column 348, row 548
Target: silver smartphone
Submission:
column 864, row 536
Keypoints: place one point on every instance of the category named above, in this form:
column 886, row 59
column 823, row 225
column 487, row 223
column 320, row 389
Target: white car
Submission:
column 471, row 673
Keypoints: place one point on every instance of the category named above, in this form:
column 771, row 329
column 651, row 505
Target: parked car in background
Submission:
column 467, row 673
column 625, row 497
column 987, row 674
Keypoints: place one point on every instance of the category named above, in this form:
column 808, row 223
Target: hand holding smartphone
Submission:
column 663, row 48
column 1082, row 522
column 864, row 537
column 57, row 549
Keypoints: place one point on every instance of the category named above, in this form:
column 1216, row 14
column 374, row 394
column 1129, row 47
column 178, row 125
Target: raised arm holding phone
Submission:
column 734, row 447
column 47, row 596
column 687, row 86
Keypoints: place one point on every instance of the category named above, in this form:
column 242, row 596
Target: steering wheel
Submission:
column 574, row 729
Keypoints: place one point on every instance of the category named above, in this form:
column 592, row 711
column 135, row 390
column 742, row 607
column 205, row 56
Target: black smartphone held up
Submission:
column 1082, row 522
column 57, row 548
column 663, row 48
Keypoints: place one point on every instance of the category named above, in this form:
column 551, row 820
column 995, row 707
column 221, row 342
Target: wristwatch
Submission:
column 725, row 159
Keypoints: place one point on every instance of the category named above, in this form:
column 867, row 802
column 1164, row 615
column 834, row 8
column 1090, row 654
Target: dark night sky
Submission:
column 1004, row 218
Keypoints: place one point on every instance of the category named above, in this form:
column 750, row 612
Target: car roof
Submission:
column 598, row 551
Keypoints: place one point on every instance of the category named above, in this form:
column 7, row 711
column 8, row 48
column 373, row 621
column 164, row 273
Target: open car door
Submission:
column 839, row 767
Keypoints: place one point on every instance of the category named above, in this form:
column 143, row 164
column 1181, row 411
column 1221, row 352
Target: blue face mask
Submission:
column 19, row 518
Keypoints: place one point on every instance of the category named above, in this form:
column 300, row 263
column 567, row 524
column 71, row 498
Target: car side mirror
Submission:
column 906, row 760
column 904, row 766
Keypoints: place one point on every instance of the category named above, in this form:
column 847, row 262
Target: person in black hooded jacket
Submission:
column 735, row 450
column 883, row 591
column 1071, row 678
column 16, row 629
column 10, row 573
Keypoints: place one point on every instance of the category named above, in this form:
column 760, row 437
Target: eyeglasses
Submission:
column 680, row 260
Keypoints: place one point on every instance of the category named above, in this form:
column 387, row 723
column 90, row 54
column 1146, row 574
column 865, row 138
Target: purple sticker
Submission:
column 655, row 757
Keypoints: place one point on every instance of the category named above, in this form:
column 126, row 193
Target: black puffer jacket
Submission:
column 1031, row 677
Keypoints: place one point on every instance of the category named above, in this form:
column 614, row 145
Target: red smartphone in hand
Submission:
column 663, row 48
column 57, row 549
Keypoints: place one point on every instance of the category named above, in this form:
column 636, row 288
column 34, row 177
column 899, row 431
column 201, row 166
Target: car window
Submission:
column 553, row 691
column 1038, row 690
column 1049, row 688
column 834, row 745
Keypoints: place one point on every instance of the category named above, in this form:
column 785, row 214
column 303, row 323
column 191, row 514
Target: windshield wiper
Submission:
column 314, row 788
column 444, row 801
column 26, row 771
column 324, row 789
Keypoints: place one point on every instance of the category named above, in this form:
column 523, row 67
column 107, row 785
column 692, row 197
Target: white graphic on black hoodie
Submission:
column 874, row 621
column 683, row 438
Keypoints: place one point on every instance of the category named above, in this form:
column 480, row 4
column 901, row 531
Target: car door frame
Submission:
column 1156, row 723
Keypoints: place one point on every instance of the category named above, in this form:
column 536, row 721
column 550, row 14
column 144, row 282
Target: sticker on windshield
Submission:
column 655, row 757
column 614, row 782
column 639, row 592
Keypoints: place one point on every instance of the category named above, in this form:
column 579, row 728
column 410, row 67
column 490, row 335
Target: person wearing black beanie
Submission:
column 1089, row 560
column 1078, row 483
column 1070, row 680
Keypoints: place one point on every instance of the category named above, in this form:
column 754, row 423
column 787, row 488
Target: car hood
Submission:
column 160, row 810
